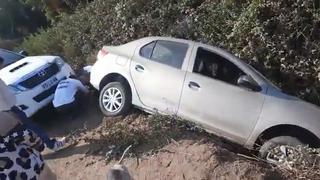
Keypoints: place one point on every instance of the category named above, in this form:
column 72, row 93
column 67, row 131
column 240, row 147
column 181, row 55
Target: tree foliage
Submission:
column 18, row 20
column 280, row 38
column 54, row 8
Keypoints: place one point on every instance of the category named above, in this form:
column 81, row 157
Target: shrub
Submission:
column 45, row 42
column 283, row 38
column 280, row 38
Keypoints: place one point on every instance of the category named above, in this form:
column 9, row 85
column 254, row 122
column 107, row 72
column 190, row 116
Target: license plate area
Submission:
column 50, row 82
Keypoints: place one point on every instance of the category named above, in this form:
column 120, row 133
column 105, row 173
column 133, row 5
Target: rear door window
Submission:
column 166, row 52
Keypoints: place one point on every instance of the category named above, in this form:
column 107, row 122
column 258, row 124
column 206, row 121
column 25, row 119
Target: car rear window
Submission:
column 10, row 57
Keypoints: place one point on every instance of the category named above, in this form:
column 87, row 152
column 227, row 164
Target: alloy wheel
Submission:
column 112, row 99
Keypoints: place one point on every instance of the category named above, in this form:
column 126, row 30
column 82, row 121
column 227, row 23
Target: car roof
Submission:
column 217, row 49
column 166, row 38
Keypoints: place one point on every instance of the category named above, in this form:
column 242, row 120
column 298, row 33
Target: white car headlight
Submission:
column 16, row 89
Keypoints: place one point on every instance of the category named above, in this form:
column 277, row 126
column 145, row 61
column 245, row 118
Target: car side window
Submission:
column 165, row 52
column 146, row 51
column 169, row 53
column 215, row 66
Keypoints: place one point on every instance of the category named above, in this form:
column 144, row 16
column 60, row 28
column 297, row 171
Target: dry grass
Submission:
column 300, row 163
column 136, row 130
column 158, row 130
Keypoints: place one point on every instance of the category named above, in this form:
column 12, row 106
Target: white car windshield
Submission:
column 10, row 57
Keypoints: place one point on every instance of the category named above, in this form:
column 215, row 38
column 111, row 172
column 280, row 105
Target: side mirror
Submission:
column 247, row 82
column 23, row 52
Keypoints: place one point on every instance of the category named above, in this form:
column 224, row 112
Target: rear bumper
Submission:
column 101, row 68
column 34, row 99
column 96, row 75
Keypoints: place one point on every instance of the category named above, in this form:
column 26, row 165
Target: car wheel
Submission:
column 275, row 150
column 115, row 99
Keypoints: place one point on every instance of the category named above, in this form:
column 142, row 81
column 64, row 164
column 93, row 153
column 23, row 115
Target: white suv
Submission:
column 33, row 79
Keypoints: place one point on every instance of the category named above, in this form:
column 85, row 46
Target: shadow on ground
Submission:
column 57, row 125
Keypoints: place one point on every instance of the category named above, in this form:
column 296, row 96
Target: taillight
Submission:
column 103, row 52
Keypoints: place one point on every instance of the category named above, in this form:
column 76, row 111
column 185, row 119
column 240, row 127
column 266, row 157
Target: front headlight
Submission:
column 16, row 89
column 59, row 62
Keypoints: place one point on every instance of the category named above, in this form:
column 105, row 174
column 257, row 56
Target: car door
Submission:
column 158, row 70
column 218, row 104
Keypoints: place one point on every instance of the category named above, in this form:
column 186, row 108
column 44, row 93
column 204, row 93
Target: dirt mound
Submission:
column 163, row 148
column 190, row 159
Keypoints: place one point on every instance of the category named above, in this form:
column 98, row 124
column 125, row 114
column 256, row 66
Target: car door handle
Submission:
column 194, row 85
column 139, row 68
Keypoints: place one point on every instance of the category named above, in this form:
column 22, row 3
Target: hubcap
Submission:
column 112, row 99
column 277, row 155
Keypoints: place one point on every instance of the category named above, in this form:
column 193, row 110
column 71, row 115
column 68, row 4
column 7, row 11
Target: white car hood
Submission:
column 10, row 76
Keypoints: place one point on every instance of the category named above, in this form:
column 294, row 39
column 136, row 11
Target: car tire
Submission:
column 272, row 143
column 115, row 90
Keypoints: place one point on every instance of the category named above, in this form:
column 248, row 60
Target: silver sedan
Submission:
column 206, row 85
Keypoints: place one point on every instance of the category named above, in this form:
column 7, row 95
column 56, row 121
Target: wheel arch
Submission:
column 115, row 77
column 301, row 133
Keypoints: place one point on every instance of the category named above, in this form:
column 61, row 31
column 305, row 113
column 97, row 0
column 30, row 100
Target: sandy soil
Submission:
column 192, row 156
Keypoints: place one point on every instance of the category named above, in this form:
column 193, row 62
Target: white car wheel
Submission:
column 115, row 99
column 112, row 99
column 275, row 150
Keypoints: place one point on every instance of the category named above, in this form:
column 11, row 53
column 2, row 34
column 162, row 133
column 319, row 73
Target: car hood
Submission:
column 16, row 71
column 292, row 107
column 283, row 109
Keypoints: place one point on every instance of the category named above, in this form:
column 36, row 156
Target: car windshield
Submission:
column 10, row 57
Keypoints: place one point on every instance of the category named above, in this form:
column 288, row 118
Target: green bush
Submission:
column 44, row 42
column 280, row 38
column 283, row 38
column 111, row 22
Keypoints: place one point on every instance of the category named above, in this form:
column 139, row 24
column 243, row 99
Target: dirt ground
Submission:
column 191, row 156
